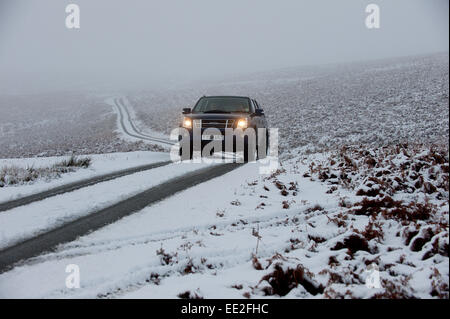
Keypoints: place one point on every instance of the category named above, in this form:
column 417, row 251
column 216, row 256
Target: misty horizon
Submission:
column 154, row 43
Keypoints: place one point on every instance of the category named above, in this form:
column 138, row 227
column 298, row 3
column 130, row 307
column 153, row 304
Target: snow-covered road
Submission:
column 28, row 221
column 91, row 220
column 231, row 236
column 128, row 128
column 126, row 250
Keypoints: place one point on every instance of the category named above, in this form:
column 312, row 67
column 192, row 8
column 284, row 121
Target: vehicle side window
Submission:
column 252, row 106
column 255, row 105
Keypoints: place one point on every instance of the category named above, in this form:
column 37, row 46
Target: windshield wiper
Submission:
column 216, row 111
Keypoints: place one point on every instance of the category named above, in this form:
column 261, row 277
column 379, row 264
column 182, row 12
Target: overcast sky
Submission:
column 152, row 41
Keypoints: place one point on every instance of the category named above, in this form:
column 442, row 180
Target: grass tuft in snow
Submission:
column 282, row 280
column 14, row 175
column 75, row 161
column 189, row 295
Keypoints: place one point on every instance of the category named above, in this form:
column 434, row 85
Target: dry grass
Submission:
column 353, row 243
column 403, row 192
column 166, row 258
column 189, row 295
column 14, row 175
column 282, row 281
column 387, row 170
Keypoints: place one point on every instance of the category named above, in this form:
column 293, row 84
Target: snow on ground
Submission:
column 320, row 227
column 27, row 221
column 141, row 126
column 306, row 231
column 55, row 124
column 100, row 164
column 130, row 121
column 319, row 108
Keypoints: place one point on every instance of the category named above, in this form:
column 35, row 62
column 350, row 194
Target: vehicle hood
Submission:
column 217, row 116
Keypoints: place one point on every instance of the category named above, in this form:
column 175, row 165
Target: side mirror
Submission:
column 259, row 112
column 187, row 110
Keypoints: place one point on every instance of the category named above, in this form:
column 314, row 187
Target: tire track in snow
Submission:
column 98, row 219
column 77, row 185
column 131, row 129
column 124, row 116
column 89, row 248
column 220, row 260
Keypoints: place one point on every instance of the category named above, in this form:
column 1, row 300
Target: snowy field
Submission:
column 318, row 108
column 56, row 124
column 24, row 222
column 315, row 108
column 312, row 229
column 100, row 164
column 362, row 186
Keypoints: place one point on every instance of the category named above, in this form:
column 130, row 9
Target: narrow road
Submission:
column 130, row 128
column 77, row 185
column 32, row 247
column 97, row 219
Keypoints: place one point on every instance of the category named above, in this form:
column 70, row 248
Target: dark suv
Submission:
column 234, row 121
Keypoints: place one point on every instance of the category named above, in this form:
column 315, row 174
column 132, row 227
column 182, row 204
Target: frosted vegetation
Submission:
column 382, row 130
column 318, row 108
column 394, row 215
column 15, row 175
column 318, row 225
column 315, row 108
column 363, row 181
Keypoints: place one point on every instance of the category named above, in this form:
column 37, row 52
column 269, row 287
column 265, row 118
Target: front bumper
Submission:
column 195, row 139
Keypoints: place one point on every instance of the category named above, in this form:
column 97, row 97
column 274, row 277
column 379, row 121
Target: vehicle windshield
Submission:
column 222, row 105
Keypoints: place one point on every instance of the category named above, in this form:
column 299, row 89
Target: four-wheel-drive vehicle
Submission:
column 214, row 118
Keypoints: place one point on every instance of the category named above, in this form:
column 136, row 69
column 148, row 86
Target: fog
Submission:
column 145, row 43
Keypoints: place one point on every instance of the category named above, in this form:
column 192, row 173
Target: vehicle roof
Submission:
column 245, row 97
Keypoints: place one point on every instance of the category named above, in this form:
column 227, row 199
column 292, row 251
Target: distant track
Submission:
column 124, row 116
column 77, row 185
column 95, row 220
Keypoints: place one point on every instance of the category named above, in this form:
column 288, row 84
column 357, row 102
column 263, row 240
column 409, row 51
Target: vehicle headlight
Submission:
column 187, row 122
column 242, row 123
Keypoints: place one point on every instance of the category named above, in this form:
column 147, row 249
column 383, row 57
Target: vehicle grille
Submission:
column 215, row 123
